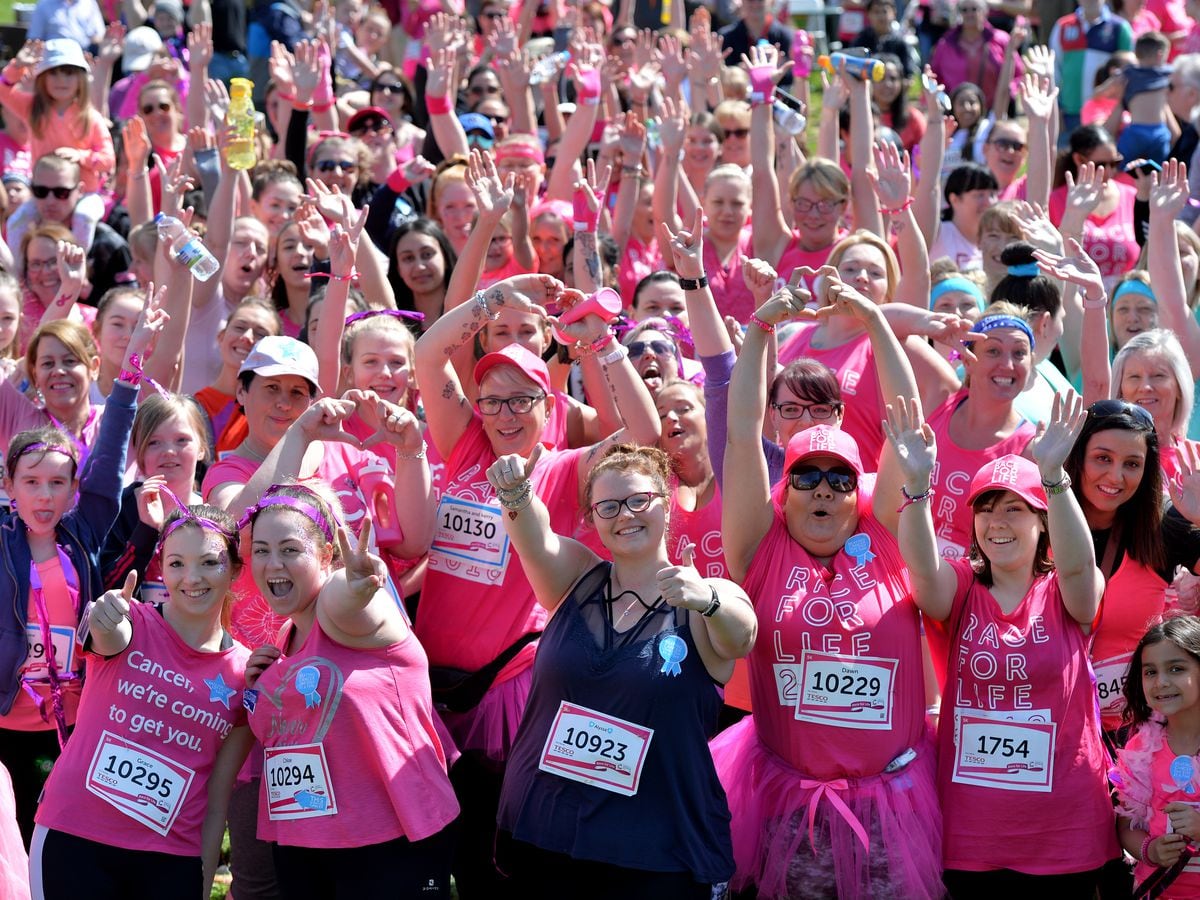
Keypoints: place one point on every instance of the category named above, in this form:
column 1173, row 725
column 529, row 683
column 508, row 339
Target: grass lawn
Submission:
column 6, row 13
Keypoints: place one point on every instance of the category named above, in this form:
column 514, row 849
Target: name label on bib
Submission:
column 597, row 749
column 1007, row 754
column 846, row 691
column 139, row 782
column 298, row 783
column 470, row 541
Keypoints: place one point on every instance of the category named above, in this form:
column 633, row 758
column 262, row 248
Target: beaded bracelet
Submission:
column 765, row 326
column 899, row 209
column 910, row 499
column 1058, row 487
column 1145, row 853
column 416, row 454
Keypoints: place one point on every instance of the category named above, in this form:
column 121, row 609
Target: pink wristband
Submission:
column 589, row 87
column 586, row 218
column 437, row 106
column 762, row 86
column 398, row 181
column 1144, row 855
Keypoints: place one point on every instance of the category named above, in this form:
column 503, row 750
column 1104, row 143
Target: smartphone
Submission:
column 1145, row 166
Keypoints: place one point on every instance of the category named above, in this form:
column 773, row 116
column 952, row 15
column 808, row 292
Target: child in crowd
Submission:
column 1151, row 128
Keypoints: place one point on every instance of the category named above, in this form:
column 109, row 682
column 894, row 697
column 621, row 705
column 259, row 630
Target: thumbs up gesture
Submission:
column 113, row 608
column 682, row 585
column 509, row 471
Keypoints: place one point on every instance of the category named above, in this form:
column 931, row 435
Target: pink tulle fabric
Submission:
column 491, row 727
column 14, row 863
column 769, row 802
column 1132, row 776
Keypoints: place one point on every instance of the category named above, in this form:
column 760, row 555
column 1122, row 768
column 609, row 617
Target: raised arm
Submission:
column 893, row 188
column 439, row 100
column 672, row 125
column 1070, row 540
column 343, row 247
column 771, row 231
column 1040, row 97
column 1080, row 275
column 927, row 198
column 1168, row 198
column 862, row 138
column 585, row 70
column 200, row 53
column 355, row 605
column 1083, row 195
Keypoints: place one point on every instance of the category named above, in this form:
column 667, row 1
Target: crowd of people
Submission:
column 611, row 451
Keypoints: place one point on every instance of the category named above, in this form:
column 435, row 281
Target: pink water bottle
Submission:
column 802, row 53
column 375, row 484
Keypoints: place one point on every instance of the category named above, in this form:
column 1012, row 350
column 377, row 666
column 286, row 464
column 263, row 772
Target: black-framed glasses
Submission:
column 156, row 107
column 840, row 479
column 42, row 191
column 816, row 411
column 330, row 165
column 1007, row 144
column 659, row 348
column 635, row 503
column 736, row 132
column 518, row 406
column 824, row 207
column 1102, row 408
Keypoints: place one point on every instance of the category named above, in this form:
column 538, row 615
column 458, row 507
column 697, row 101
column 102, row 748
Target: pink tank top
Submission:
column 135, row 772
column 476, row 600
column 638, row 262
column 729, row 288
column 1019, row 695
column 835, row 675
column 854, row 365
column 351, row 756
column 953, row 520
column 793, row 258
column 703, row 528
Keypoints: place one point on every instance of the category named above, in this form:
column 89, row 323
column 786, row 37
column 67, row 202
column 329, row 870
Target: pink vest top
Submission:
column 153, row 718
column 835, row 675
column 793, row 258
column 952, row 473
column 351, row 756
column 703, row 528
column 853, row 363
column 729, row 288
column 476, row 600
column 638, row 262
column 1028, row 746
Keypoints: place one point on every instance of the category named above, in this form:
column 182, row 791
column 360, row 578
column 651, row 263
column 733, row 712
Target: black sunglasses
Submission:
column 161, row 107
column 1102, row 408
column 329, row 165
column 660, row 348
column 737, row 132
column 396, row 88
column 840, row 479
column 41, row 191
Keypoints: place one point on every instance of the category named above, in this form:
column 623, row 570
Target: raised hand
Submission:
column 760, row 277
column 151, row 321
column 29, row 56
column 672, row 127
column 493, row 195
column 307, row 71
column 509, row 471
column 706, row 55
column 343, row 245
column 1085, row 189
column 1079, row 269
column 1056, row 438
column 1040, row 61
column 631, row 139
column 674, row 66
column 365, row 572
column 893, row 178
column 687, row 247
column 216, row 100
column 442, row 66
column 1185, row 486
column 323, row 421
column 113, row 607
column 112, row 45
column 1169, row 190
column 282, row 68
column 681, row 586
column 332, row 203
column 72, row 262
column 1039, row 95
column 311, row 225
column 200, row 45
column 394, row 424
column 136, row 144
column 912, row 441
column 1036, row 227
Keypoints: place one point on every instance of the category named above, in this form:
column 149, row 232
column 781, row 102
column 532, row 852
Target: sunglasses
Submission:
column 161, row 107
column 41, row 191
column 635, row 503
column 658, row 348
column 737, row 132
column 1008, row 144
column 1140, row 414
column 374, row 126
column 331, row 165
column 390, row 88
column 840, row 479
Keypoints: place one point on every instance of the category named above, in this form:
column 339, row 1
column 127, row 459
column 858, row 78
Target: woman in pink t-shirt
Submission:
column 355, row 795
column 1019, row 731
column 136, row 804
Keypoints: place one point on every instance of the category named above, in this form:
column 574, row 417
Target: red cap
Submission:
column 1010, row 473
column 515, row 355
column 821, row 440
column 371, row 112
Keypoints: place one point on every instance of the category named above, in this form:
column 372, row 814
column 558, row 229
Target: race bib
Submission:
column 470, row 541
column 1008, row 754
column 137, row 781
column 298, row 784
column 787, row 683
column 846, row 691
column 64, row 649
column 592, row 748
column 1110, row 682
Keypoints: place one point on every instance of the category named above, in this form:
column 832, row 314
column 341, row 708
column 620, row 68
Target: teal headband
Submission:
column 1025, row 270
column 957, row 284
column 1134, row 286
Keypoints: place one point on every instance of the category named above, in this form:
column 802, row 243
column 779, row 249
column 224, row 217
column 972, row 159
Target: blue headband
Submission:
column 1025, row 270
column 1134, row 286
column 987, row 323
column 957, row 284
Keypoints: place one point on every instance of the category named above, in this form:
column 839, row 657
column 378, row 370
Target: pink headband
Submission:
column 305, row 509
column 42, row 445
column 522, row 150
column 187, row 518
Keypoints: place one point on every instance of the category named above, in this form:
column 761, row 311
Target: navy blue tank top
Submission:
column 678, row 820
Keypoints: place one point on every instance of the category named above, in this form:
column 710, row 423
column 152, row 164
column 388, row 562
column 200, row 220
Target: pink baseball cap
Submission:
column 822, row 440
column 515, row 355
column 1010, row 473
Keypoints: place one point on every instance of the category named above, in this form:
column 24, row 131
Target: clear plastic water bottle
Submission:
column 790, row 120
column 548, row 67
column 187, row 247
column 653, row 136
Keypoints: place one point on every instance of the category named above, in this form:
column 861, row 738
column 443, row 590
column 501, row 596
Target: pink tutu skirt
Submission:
column 769, row 801
column 490, row 728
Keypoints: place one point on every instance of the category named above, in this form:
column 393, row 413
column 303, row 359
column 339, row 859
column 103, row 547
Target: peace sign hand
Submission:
column 365, row 572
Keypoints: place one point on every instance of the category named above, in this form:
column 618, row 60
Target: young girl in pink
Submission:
column 136, row 805
column 1158, row 771
column 62, row 123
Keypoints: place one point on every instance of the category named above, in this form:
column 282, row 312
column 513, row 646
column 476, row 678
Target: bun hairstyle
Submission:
column 648, row 461
column 1036, row 292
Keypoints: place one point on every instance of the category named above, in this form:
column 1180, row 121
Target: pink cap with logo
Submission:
column 821, row 440
column 1010, row 473
column 516, row 355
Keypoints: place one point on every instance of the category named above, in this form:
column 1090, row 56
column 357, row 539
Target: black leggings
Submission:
column 396, row 869
column 28, row 756
column 1004, row 884
column 65, row 867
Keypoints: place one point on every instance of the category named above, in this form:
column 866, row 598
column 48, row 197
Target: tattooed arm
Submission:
column 447, row 410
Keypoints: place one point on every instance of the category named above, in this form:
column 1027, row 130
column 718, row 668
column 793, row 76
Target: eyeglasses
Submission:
column 160, row 107
column 658, row 348
column 1111, row 164
column 42, row 191
column 737, row 132
column 635, row 503
column 1007, row 144
column 817, row 411
column 1102, row 408
column 396, row 88
column 40, row 265
column 372, row 126
column 330, row 165
column 518, row 406
column 824, row 207
column 840, row 479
